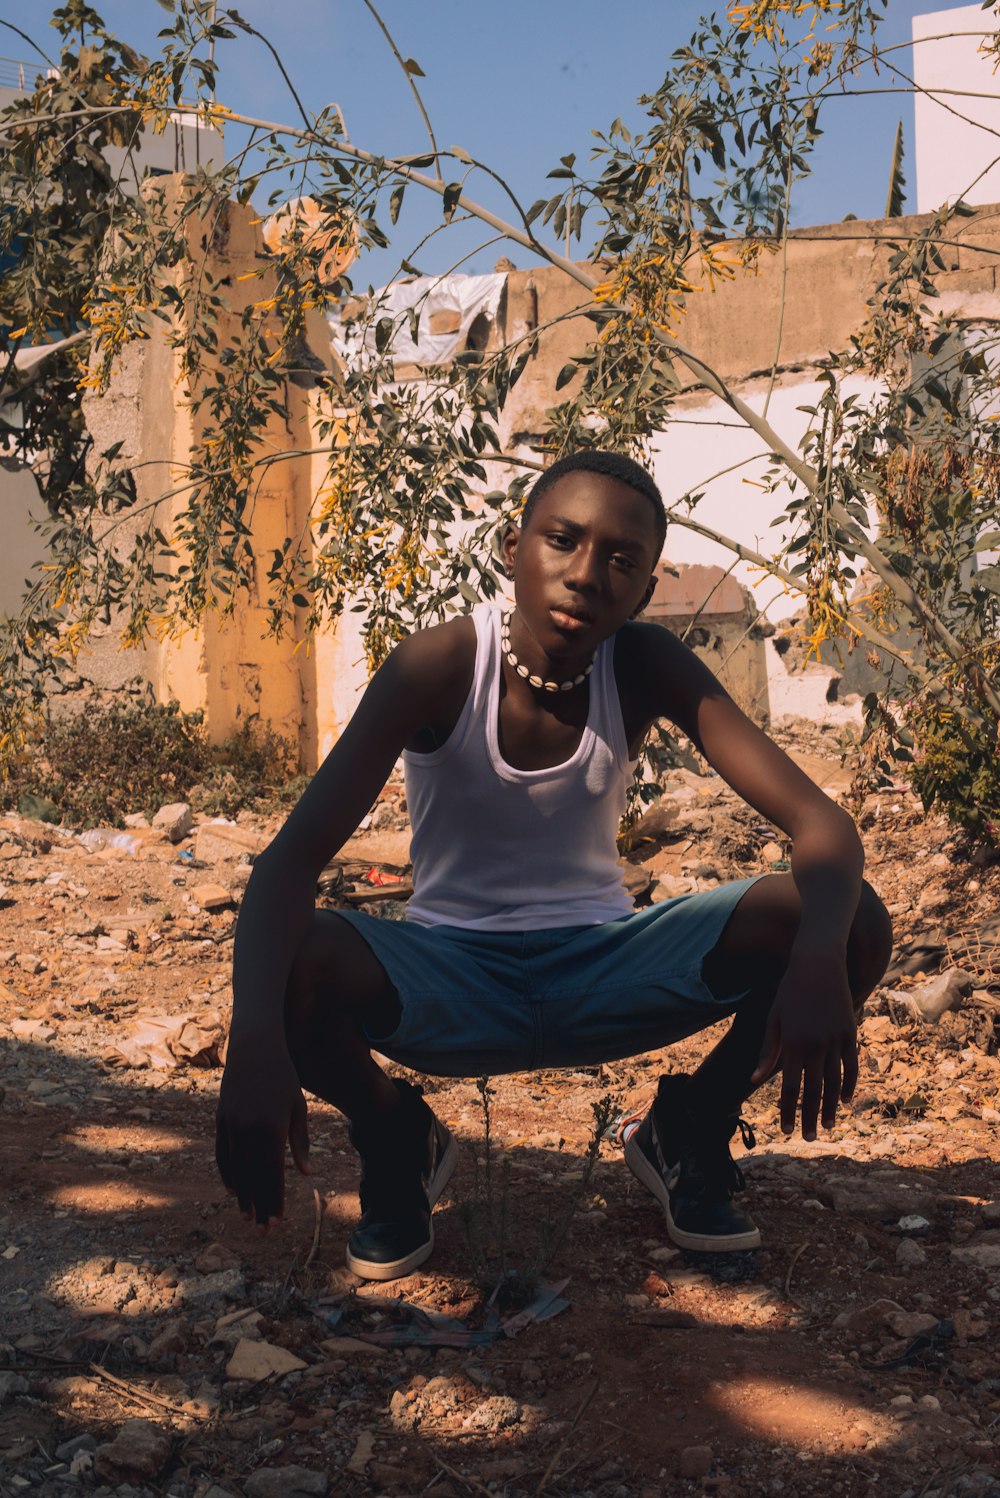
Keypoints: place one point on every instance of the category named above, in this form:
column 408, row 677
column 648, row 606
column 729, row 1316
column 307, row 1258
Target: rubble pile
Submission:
column 152, row 1343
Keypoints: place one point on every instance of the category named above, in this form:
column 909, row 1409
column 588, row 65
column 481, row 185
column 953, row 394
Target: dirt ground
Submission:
column 151, row 1342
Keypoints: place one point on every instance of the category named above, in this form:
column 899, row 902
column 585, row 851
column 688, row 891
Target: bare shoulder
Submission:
column 434, row 654
column 410, row 696
column 432, row 671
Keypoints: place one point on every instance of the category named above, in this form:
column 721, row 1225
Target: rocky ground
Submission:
column 153, row 1343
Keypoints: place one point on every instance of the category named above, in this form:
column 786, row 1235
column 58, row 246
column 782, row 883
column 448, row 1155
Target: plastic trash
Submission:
column 98, row 838
column 400, row 1323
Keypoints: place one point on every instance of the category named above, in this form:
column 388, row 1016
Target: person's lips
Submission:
column 570, row 618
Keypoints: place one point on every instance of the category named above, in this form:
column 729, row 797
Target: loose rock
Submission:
column 256, row 1360
column 68, row 1450
column 494, row 1414
column 364, row 1450
column 910, row 1255
column 910, row 1323
column 140, row 1450
column 216, row 840
column 980, row 1255
column 866, row 1317
column 212, row 896
column 11, row 1384
column 175, row 821
column 929, row 1001
column 695, row 1461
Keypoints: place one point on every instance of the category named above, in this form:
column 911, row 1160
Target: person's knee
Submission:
column 308, row 982
column 870, row 946
column 336, row 986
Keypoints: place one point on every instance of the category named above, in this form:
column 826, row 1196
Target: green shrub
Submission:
column 957, row 770
column 97, row 766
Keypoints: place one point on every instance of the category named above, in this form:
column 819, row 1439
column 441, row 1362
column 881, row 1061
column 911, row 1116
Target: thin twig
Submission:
column 469, row 1482
column 796, row 1256
column 593, row 1456
column 317, row 1230
column 575, row 1422
column 140, row 1395
column 783, row 298
column 409, row 78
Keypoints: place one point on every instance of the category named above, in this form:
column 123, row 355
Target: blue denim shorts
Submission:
column 478, row 1003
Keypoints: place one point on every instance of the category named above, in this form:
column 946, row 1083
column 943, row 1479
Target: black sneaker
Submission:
column 684, row 1160
column 400, row 1182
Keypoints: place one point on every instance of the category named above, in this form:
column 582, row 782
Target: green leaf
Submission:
column 461, row 154
column 987, row 577
column 396, row 201
column 566, row 374
column 413, row 68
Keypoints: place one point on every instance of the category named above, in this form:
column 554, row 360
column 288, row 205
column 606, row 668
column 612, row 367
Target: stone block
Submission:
column 219, row 840
column 695, row 590
column 174, row 821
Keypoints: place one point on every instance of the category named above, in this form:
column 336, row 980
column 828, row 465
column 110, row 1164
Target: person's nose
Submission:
column 583, row 570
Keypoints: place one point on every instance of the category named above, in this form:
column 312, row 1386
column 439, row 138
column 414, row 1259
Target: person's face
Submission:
column 583, row 563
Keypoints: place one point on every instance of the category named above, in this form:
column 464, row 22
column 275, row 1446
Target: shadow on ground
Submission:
column 122, row 1258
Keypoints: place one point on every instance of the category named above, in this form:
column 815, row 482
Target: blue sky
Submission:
column 517, row 85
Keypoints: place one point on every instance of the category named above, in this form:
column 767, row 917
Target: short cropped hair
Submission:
column 613, row 466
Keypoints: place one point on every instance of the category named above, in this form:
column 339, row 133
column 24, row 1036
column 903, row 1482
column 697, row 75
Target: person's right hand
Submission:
column 260, row 1106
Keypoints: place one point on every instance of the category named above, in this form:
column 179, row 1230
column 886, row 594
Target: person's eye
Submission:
column 560, row 539
column 625, row 563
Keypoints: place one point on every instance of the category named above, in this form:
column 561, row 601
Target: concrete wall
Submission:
column 22, row 546
column 832, row 272
column 232, row 669
column 185, row 144
column 710, row 612
column 229, row 666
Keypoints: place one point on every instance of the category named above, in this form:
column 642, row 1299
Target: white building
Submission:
column 957, row 107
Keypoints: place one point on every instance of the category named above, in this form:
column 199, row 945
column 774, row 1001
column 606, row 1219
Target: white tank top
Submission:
column 499, row 849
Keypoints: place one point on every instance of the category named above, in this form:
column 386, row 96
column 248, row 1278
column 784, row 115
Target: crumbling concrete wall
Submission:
column 307, row 689
column 707, row 609
column 22, row 546
column 229, row 667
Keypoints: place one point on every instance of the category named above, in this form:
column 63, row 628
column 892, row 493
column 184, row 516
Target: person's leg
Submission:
column 756, row 943
column 337, row 993
column 680, row 1150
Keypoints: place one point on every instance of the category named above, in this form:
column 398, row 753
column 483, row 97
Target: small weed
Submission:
column 486, row 1216
column 957, row 769
column 95, row 767
column 554, row 1230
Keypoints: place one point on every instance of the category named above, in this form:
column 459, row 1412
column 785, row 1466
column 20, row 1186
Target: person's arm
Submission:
column 261, row 1103
column 813, row 1027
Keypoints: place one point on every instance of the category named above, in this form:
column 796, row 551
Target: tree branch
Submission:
column 409, row 78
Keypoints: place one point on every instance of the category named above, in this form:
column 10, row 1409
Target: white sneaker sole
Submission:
column 394, row 1269
column 656, row 1186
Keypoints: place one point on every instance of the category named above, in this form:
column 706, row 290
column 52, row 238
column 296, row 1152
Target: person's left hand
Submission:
column 812, row 1032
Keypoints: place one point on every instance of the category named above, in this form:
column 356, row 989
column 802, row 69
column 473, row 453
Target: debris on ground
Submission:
column 151, row 1342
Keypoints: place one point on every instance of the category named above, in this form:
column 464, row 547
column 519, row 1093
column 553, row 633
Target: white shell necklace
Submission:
column 538, row 682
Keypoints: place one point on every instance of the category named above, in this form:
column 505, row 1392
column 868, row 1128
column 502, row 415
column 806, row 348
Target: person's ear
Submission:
column 644, row 605
column 508, row 547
